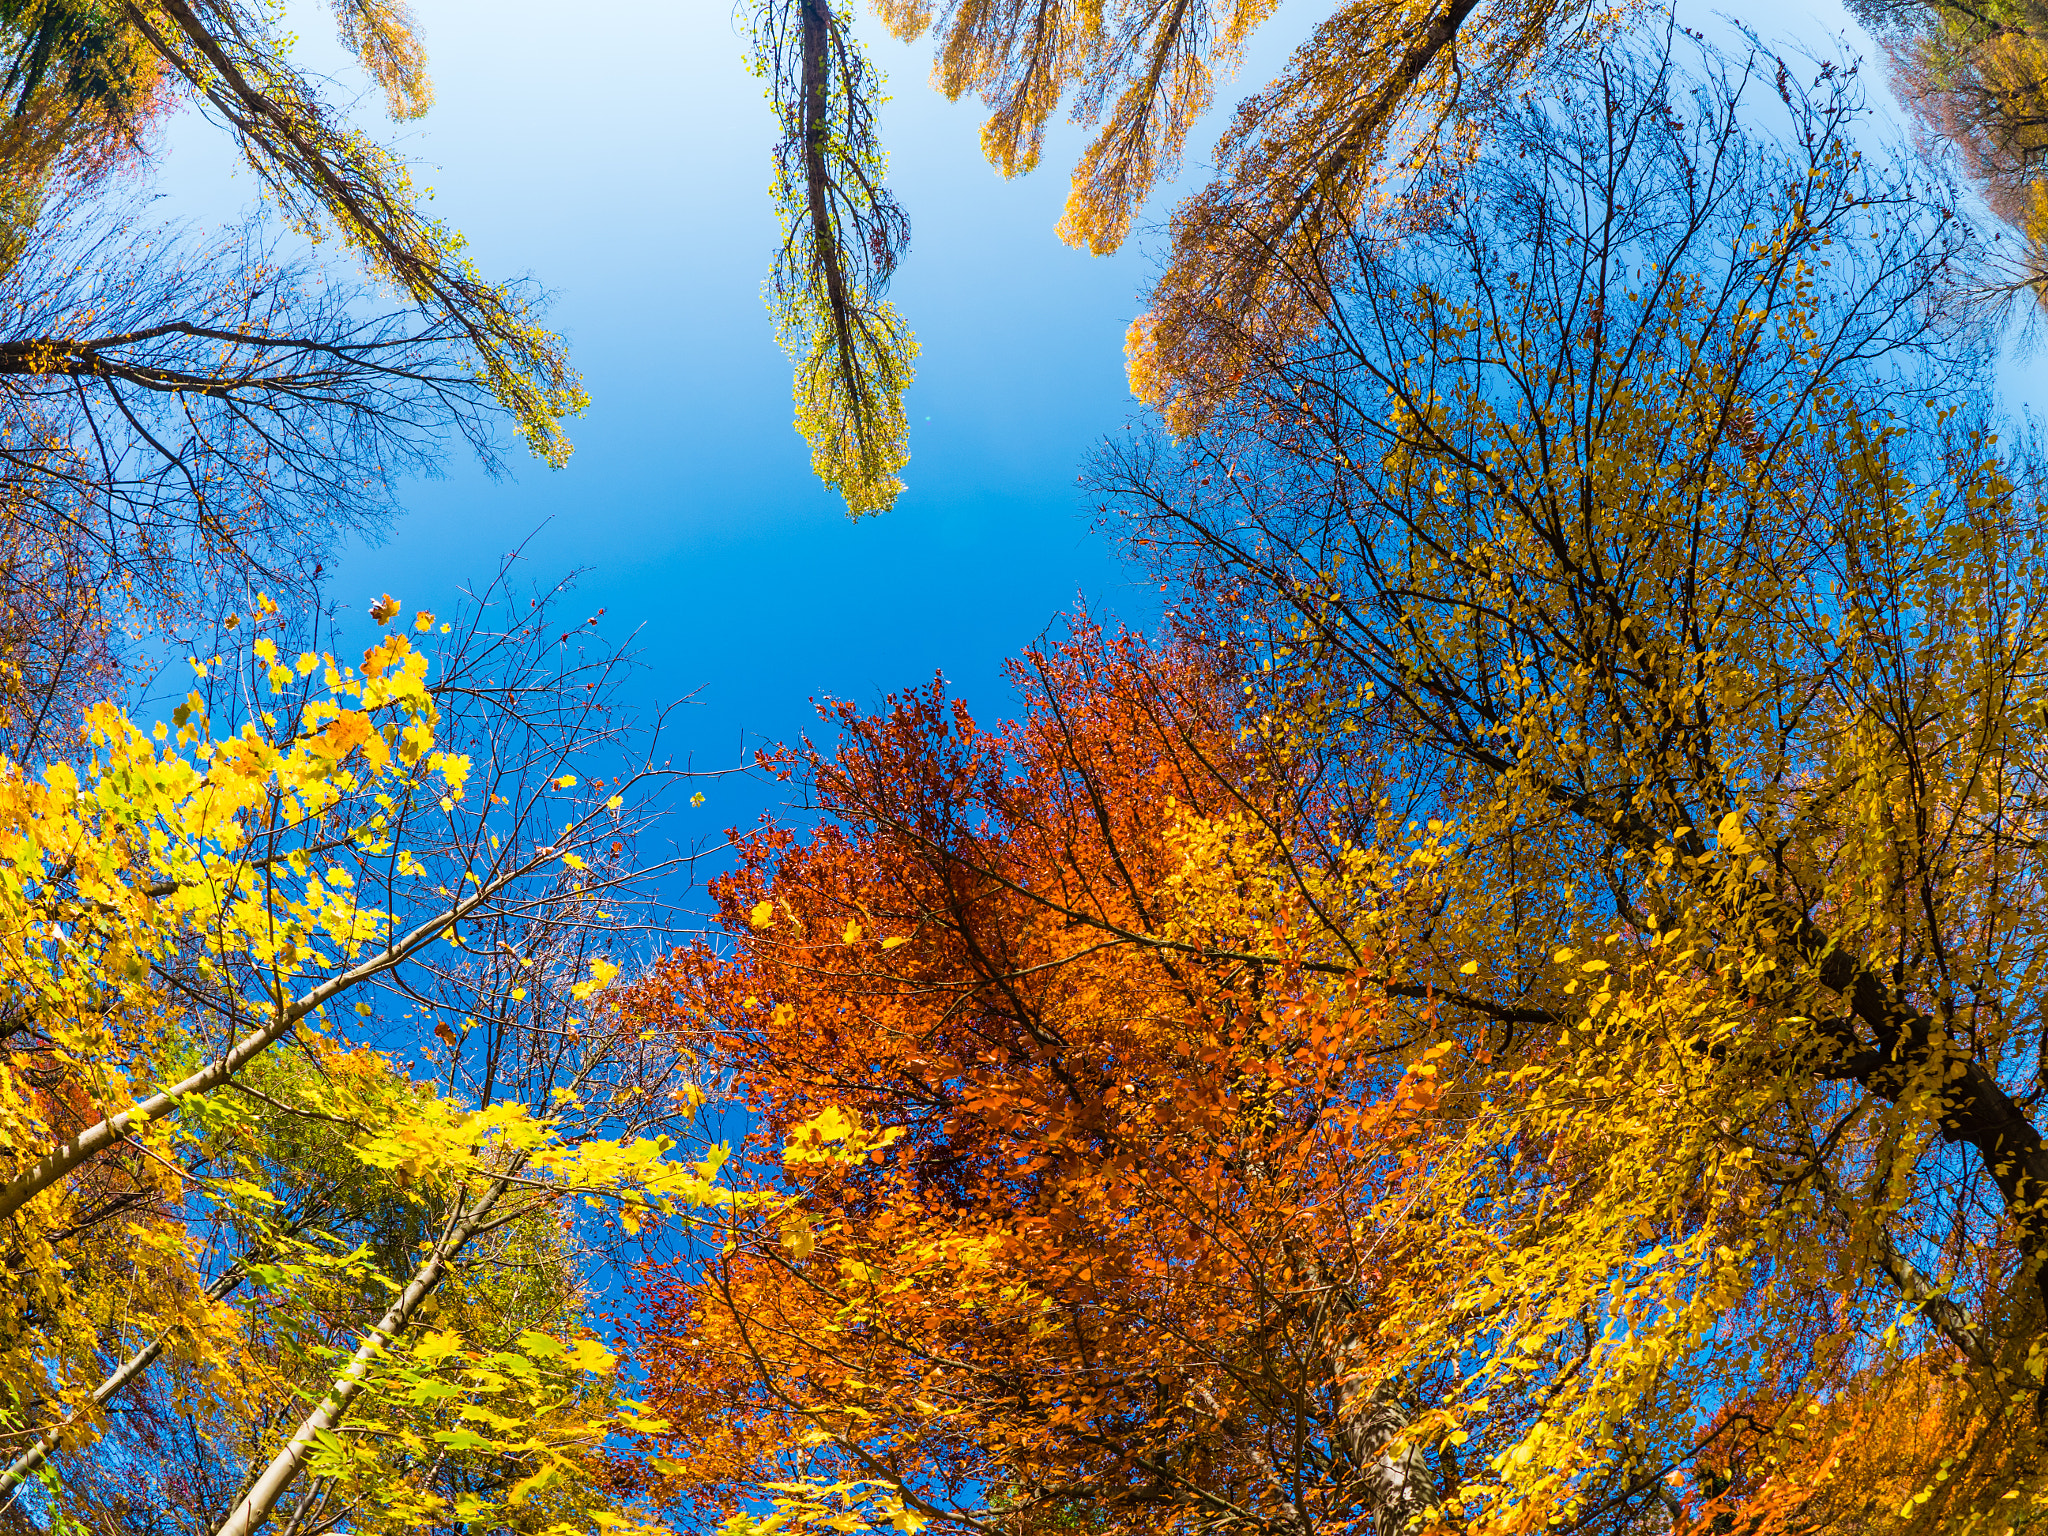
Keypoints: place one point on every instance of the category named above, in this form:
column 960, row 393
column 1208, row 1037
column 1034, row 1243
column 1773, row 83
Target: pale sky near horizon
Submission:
column 622, row 159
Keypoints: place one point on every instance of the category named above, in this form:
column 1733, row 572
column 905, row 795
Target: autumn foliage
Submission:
column 1516, row 1014
column 1111, row 1263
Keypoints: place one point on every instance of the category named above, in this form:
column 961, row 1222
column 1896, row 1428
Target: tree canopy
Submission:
column 1511, row 1013
column 1382, row 97
column 233, row 1189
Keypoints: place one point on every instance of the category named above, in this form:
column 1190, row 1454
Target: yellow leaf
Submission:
column 799, row 1237
column 590, row 1355
column 851, row 935
column 763, row 914
column 601, row 973
column 1730, row 834
column 829, row 1124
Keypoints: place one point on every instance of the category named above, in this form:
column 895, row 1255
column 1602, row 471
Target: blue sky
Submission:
column 619, row 153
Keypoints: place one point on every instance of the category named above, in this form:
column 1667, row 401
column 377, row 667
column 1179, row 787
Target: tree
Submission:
column 842, row 234
column 1098, row 1270
column 1976, row 78
column 89, row 79
column 182, row 423
column 210, row 1175
column 1638, row 507
column 185, row 421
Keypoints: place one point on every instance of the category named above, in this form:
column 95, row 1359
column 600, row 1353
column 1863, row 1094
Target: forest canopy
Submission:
column 1510, row 1009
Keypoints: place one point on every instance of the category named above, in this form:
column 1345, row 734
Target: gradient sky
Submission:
column 619, row 153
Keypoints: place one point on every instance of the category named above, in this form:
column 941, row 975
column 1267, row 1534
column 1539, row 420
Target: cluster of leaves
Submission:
column 259, row 1252
column 1101, row 1263
column 842, row 233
